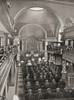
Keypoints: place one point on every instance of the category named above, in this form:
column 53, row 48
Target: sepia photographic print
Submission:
column 36, row 49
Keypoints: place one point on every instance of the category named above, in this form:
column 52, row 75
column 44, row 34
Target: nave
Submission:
column 40, row 83
column 36, row 49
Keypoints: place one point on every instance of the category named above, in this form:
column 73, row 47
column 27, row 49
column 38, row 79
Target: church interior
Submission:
column 36, row 49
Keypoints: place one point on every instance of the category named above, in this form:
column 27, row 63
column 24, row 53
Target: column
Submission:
column 0, row 41
column 38, row 46
column 64, row 72
column 71, row 43
column 46, row 54
column 18, row 55
column 3, row 41
column 8, row 41
column 23, row 46
column 26, row 45
column 12, row 71
column 66, row 42
column 41, row 46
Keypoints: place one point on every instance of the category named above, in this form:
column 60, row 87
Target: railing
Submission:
column 5, row 68
column 59, row 99
column 55, row 50
column 68, row 54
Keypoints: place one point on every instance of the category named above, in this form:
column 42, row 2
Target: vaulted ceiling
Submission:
column 65, row 0
column 47, row 20
column 5, row 17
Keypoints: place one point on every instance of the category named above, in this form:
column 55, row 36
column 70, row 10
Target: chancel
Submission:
column 36, row 49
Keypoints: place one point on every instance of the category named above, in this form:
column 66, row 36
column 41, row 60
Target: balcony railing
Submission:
column 5, row 67
column 68, row 54
column 55, row 50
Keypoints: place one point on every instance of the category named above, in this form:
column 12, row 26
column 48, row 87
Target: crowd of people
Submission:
column 4, row 52
column 41, row 83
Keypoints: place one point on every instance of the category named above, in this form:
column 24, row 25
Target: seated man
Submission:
column 27, row 79
column 61, row 84
column 34, row 78
column 46, row 84
column 28, row 85
column 53, row 84
column 48, row 94
column 29, row 95
column 44, row 77
column 39, row 95
column 72, row 92
column 59, row 94
column 37, row 85
column 66, row 93
column 41, row 80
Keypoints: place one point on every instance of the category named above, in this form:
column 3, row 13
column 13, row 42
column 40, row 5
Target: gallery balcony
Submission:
column 55, row 50
column 5, row 66
column 68, row 54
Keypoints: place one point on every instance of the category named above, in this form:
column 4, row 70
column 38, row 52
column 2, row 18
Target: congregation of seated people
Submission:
column 41, row 83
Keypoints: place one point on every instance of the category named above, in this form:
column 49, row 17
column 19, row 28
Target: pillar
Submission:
column 64, row 72
column 0, row 41
column 26, row 45
column 3, row 41
column 71, row 43
column 46, row 54
column 23, row 46
column 8, row 41
column 18, row 55
column 41, row 46
column 12, row 71
column 66, row 42
column 51, row 58
column 38, row 49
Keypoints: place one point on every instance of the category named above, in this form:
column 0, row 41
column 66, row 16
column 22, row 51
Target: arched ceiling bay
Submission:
column 31, row 30
column 45, row 18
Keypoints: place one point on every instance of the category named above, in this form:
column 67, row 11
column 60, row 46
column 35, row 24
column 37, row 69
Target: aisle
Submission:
column 11, row 90
column 11, row 93
column 20, row 85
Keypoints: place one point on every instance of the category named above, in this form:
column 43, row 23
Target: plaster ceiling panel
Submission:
column 32, row 31
column 45, row 18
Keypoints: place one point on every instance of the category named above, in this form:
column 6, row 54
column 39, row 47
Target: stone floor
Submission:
column 20, row 85
column 11, row 93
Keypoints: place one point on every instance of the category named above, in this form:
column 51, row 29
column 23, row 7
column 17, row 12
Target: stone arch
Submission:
column 59, row 18
column 33, row 25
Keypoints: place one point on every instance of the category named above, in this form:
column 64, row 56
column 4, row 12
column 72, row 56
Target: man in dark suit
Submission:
column 46, row 84
column 66, row 93
column 58, row 94
column 37, row 85
column 39, row 95
column 28, row 85
column 29, row 95
column 48, row 94
column 61, row 84
column 72, row 93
